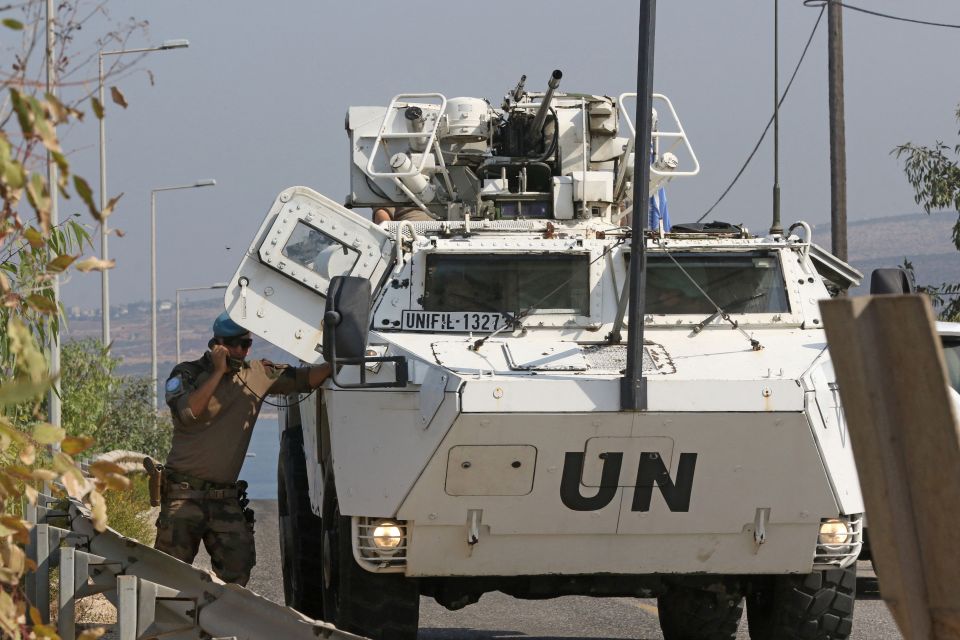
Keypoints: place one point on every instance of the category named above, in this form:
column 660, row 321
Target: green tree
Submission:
column 117, row 411
column 934, row 174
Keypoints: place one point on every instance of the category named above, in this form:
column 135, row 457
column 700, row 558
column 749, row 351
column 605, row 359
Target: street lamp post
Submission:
column 104, row 253
column 153, row 275
column 217, row 285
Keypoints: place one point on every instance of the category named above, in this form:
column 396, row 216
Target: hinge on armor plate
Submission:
column 473, row 526
column 243, row 282
column 760, row 527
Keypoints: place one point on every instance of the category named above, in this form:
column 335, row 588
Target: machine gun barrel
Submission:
column 553, row 83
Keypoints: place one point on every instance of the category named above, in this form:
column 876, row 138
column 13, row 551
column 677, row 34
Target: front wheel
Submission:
column 380, row 606
column 692, row 613
column 816, row 606
column 300, row 529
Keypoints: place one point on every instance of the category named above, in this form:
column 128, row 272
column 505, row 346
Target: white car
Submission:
column 950, row 339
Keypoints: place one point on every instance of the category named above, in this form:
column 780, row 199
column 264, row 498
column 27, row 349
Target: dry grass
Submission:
column 129, row 512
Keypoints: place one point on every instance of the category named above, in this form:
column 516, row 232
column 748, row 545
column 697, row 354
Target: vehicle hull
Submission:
column 671, row 492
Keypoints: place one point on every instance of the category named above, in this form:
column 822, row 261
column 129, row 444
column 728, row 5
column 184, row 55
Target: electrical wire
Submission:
column 264, row 400
column 769, row 122
column 824, row 3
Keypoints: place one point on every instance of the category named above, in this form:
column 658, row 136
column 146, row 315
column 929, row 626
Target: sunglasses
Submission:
column 237, row 342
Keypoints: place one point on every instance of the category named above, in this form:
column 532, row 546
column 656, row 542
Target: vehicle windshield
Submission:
column 543, row 283
column 739, row 283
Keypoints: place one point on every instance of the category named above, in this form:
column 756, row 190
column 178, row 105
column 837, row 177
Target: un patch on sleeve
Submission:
column 174, row 385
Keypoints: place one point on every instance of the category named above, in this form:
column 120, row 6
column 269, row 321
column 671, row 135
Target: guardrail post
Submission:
column 38, row 582
column 127, row 607
column 66, row 610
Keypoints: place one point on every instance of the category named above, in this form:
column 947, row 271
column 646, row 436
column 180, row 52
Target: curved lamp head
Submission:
column 175, row 44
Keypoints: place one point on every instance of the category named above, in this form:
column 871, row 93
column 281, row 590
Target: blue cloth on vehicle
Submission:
column 658, row 210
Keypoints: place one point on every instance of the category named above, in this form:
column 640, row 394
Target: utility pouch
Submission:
column 155, row 480
column 245, row 501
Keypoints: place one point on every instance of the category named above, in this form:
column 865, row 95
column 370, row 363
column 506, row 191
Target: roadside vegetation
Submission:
column 934, row 173
column 35, row 249
column 116, row 410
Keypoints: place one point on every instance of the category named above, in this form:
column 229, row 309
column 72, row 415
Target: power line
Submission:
column 823, row 3
column 770, row 121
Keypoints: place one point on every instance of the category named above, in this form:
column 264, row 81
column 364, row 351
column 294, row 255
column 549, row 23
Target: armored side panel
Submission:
column 307, row 239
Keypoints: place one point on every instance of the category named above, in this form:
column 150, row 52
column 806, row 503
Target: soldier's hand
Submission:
column 219, row 354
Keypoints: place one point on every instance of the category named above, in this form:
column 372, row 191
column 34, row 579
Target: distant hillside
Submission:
column 925, row 240
column 130, row 334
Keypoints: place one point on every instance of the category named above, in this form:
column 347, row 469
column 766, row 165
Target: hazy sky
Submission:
column 258, row 103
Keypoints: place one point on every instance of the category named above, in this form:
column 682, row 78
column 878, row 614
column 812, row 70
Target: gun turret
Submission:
column 534, row 133
column 517, row 93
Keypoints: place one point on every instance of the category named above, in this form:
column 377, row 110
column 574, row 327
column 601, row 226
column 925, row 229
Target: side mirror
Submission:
column 348, row 313
column 346, row 324
column 896, row 281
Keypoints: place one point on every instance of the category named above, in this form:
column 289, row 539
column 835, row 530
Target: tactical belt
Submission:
column 180, row 486
column 182, row 491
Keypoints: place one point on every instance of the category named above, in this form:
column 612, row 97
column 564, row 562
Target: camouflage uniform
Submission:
column 201, row 498
column 221, row 523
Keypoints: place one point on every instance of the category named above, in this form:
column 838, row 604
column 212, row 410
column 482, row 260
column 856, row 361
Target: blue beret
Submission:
column 224, row 327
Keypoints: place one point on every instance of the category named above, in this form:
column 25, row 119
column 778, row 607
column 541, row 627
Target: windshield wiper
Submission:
column 754, row 343
column 514, row 319
column 725, row 314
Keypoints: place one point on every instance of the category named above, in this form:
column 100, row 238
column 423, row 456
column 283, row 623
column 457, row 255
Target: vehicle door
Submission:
column 279, row 289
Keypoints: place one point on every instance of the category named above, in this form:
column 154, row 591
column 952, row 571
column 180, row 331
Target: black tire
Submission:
column 689, row 613
column 300, row 530
column 817, row 606
column 380, row 606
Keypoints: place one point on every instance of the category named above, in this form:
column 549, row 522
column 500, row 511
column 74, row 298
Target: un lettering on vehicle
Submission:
column 676, row 490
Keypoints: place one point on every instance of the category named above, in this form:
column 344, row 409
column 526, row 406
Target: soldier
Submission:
column 214, row 403
column 391, row 214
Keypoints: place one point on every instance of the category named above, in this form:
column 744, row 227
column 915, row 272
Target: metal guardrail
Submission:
column 155, row 595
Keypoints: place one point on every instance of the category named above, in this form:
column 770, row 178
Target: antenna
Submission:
column 776, row 228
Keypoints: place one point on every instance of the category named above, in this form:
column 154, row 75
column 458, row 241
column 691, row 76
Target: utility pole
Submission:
column 633, row 385
column 52, row 179
column 838, row 141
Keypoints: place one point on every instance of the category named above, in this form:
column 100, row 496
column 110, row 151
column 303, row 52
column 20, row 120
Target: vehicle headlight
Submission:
column 834, row 532
column 387, row 536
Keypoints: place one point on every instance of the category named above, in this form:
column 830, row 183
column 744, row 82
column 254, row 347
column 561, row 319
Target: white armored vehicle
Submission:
column 473, row 438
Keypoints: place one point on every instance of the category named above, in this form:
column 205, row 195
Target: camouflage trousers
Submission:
column 220, row 524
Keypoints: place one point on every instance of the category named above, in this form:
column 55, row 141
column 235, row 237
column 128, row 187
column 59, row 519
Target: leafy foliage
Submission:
column 934, row 174
column 28, row 455
column 116, row 410
column 945, row 297
column 34, row 251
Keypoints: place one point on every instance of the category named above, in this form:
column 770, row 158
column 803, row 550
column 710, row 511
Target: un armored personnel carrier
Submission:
column 473, row 438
